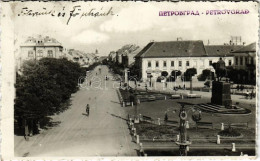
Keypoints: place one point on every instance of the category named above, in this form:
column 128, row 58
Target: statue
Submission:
column 221, row 90
column 220, row 69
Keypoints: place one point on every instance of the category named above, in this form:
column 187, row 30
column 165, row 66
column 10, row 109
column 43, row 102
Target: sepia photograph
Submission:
column 129, row 79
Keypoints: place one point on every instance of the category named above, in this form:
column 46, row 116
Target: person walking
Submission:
column 87, row 110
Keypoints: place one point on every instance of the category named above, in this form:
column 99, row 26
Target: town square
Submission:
column 129, row 83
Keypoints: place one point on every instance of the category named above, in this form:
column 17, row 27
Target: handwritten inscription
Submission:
column 76, row 11
column 207, row 12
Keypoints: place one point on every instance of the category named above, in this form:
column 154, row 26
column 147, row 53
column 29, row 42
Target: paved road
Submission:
column 103, row 133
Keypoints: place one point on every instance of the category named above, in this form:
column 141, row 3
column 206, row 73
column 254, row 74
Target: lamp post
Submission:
column 183, row 142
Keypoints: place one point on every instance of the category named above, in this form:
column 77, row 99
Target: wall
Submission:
column 200, row 63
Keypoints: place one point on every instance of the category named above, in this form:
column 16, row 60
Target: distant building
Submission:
column 224, row 51
column 35, row 48
column 245, row 59
column 112, row 56
column 157, row 57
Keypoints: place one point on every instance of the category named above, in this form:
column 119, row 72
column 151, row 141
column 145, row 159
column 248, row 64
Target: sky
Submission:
column 134, row 23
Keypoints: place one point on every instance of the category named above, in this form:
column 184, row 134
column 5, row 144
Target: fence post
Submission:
column 138, row 101
column 140, row 117
column 123, row 104
column 222, row 126
column 141, row 147
column 218, row 139
column 132, row 103
column 178, row 138
column 233, row 147
column 159, row 122
column 188, row 148
column 165, row 97
column 187, row 125
column 137, row 139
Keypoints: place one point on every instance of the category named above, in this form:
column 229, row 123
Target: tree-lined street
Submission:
column 103, row 133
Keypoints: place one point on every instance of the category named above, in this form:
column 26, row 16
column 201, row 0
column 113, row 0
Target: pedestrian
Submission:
column 247, row 94
column 184, row 86
column 146, row 87
column 166, row 84
column 251, row 94
column 242, row 88
column 166, row 116
column 90, row 83
column 87, row 109
column 238, row 87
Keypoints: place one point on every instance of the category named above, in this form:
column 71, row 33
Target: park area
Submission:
column 158, row 139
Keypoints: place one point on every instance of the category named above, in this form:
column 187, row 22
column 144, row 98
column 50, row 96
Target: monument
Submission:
column 221, row 89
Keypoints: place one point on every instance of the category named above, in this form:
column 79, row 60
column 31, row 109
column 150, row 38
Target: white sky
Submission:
column 135, row 22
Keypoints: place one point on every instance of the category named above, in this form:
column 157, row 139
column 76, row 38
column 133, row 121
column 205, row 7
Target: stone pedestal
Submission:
column 221, row 94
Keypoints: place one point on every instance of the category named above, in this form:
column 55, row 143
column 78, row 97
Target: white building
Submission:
column 40, row 47
column 157, row 57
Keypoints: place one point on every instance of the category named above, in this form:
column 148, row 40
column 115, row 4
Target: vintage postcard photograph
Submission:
column 129, row 79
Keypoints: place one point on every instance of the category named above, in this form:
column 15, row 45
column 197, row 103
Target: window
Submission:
column 149, row 64
column 187, row 63
column 50, row 53
column 164, row 64
column 246, row 60
column 156, row 64
column 236, row 60
column 229, row 62
column 30, row 53
column 210, row 62
column 40, row 53
column 180, row 63
column 252, row 61
column 172, row 63
column 241, row 60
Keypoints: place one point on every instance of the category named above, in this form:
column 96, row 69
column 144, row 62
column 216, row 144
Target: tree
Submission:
column 196, row 117
column 164, row 74
column 175, row 73
column 204, row 75
column 44, row 86
column 189, row 73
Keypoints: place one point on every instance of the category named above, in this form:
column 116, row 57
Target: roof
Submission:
column 248, row 48
column 221, row 50
column 173, row 49
column 135, row 52
column 41, row 41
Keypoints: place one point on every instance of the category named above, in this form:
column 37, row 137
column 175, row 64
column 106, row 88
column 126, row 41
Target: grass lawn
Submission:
column 156, row 109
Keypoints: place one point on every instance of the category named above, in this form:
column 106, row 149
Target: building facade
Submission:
column 35, row 48
column 157, row 57
column 245, row 61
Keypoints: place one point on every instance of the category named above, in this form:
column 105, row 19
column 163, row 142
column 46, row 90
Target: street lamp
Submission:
column 183, row 142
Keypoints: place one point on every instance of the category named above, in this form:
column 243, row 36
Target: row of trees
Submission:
column 187, row 75
column 43, row 87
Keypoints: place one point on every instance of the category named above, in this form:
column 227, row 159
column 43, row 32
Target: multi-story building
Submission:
column 40, row 47
column 157, row 57
column 245, row 59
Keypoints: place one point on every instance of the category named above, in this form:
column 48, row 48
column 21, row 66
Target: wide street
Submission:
column 103, row 133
